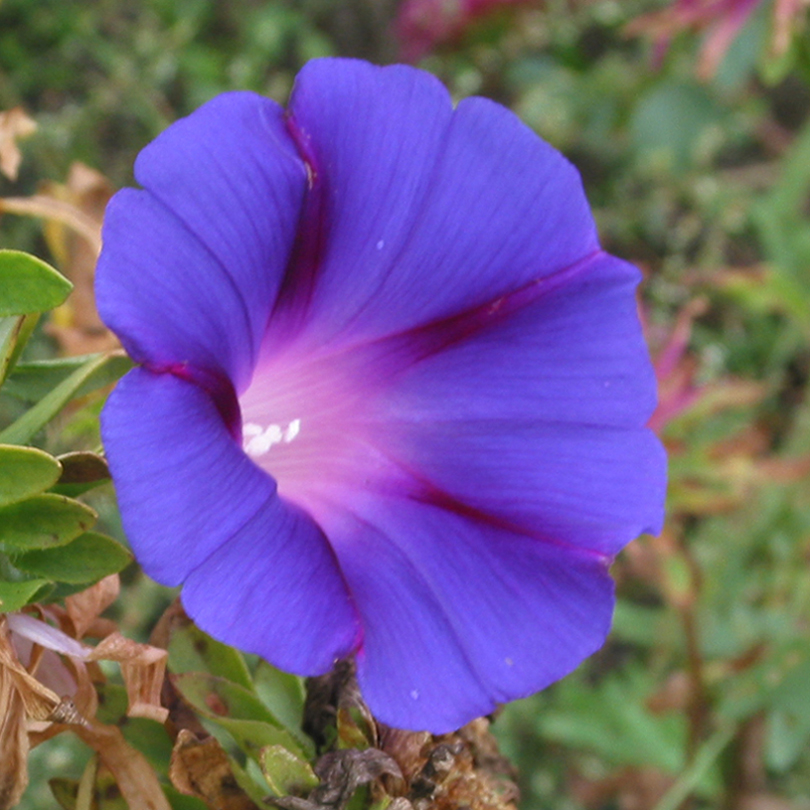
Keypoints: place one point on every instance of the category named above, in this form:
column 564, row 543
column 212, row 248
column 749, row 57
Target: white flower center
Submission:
column 306, row 421
column 257, row 440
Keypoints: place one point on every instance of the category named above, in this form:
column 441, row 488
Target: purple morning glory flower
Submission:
column 392, row 396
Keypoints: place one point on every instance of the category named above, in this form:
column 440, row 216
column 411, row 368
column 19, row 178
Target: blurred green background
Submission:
column 702, row 696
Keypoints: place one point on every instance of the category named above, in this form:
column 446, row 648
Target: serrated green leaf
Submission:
column 192, row 650
column 43, row 521
column 27, row 284
column 14, row 595
column 286, row 773
column 25, row 471
column 37, row 417
column 32, row 381
column 85, row 559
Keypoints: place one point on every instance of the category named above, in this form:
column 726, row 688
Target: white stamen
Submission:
column 381, row 244
column 262, row 440
column 293, row 429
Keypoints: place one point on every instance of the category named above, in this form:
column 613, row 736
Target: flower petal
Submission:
column 191, row 267
column 166, row 296
column 184, row 486
column 451, row 628
column 568, row 350
column 274, row 589
column 425, row 211
column 590, row 488
column 259, row 573
column 537, row 417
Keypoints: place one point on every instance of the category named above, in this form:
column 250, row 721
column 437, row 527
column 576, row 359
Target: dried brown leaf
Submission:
column 38, row 701
column 85, row 607
column 201, row 769
column 341, row 773
column 143, row 668
column 77, row 325
column 466, row 769
column 446, row 772
column 136, row 780
column 13, row 745
column 22, row 698
column 45, row 207
column 14, row 124
column 73, row 213
column 407, row 748
column 13, row 736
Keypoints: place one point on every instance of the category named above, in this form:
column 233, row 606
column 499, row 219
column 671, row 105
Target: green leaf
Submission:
column 191, row 650
column 9, row 331
column 81, row 471
column 14, row 334
column 613, row 720
column 14, row 595
column 669, row 120
column 237, row 710
column 35, row 419
column 286, row 773
column 65, row 791
column 254, row 735
column 251, row 786
column 25, row 471
column 32, row 381
column 282, row 693
column 43, row 521
column 789, row 718
column 690, row 778
column 87, row 558
column 105, row 793
column 27, row 284
column 216, row 697
column 179, row 801
column 144, row 735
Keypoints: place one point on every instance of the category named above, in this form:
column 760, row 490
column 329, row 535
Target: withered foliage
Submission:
column 201, row 768
column 71, row 213
column 14, row 125
column 413, row 769
column 31, row 712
